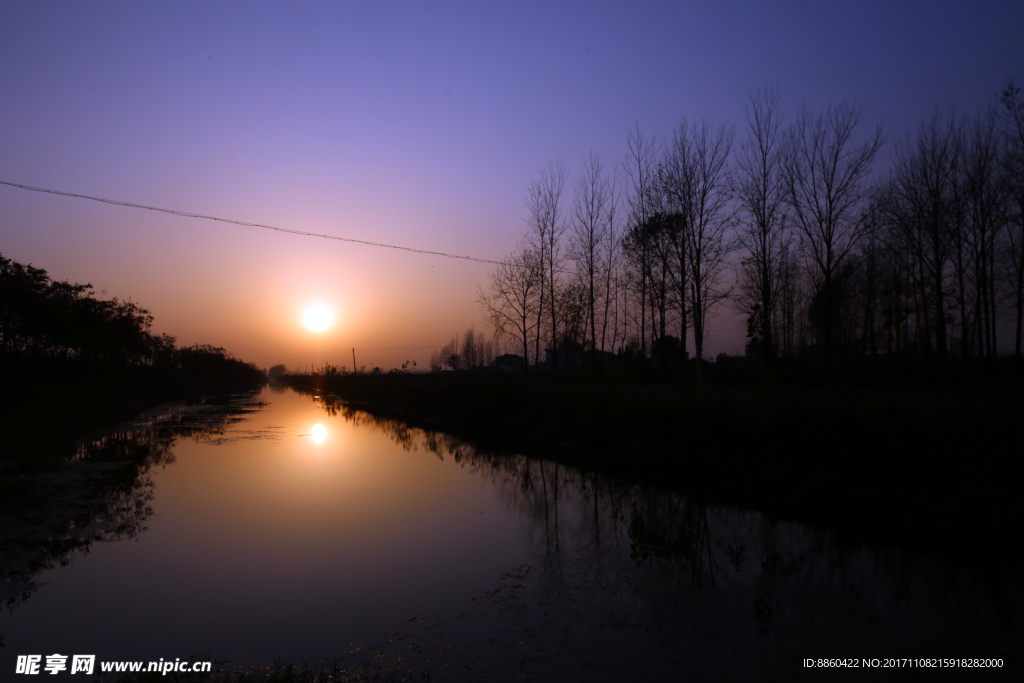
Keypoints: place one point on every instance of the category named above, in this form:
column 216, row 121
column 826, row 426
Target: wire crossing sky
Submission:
column 411, row 124
column 304, row 233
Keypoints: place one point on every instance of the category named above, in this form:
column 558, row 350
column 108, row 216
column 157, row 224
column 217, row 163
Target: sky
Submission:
column 415, row 124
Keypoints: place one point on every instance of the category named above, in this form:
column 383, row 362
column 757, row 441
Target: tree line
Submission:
column 49, row 325
column 790, row 225
column 471, row 350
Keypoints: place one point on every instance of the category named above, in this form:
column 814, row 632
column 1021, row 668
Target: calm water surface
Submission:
column 302, row 529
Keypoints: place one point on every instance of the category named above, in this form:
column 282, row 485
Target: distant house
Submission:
column 574, row 358
column 567, row 358
column 726, row 361
column 509, row 362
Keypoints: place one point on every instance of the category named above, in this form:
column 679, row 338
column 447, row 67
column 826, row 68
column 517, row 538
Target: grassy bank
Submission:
column 919, row 469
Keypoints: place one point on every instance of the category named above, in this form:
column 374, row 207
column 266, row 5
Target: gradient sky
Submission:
column 418, row 124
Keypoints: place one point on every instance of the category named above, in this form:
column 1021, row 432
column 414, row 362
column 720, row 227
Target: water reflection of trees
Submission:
column 603, row 532
column 101, row 493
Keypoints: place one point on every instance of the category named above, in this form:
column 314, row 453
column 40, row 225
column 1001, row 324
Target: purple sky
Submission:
column 399, row 123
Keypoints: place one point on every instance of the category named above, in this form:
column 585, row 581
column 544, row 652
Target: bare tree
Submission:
column 447, row 357
column 471, row 351
column 661, row 235
column 609, row 263
column 787, row 323
column 546, row 231
column 679, row 277
column 572, row 324
column 1013, row 110
column 985, row 200
column 871, row 261
column 762, row 193
column 921, row 206
column 958, row 241
column 826, row 173
column 591, row 204
column 640, row 167
column 698, row 186
column 513, row 296
column 477, row 351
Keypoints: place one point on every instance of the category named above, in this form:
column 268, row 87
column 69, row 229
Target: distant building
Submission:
column 566, row 359
column 509, row 362
column 726, row 361
column 574, row 358
column 668, row 354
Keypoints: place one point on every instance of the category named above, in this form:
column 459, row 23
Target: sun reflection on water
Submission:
column 319, row 433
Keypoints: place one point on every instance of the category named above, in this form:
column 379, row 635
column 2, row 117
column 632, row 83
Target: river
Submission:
column 298, row 528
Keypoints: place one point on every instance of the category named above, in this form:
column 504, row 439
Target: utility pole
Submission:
column 353, row 360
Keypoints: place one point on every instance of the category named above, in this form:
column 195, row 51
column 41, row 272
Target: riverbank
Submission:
column 42, row 421
column 923, row 470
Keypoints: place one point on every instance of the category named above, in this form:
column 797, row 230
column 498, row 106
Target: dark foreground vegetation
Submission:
column 62, row 346
column 913, row 456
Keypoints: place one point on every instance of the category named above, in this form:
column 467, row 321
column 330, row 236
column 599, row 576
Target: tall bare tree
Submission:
column 698, row 186
column 826, row 173
column 762, row 193
column 547, row 228
column 641, row 169
column 923, row 208
column 512, row 298
column 1013, row 111
column 609, row 262
column 985, row 199
column 591, row 204
column 958, row 252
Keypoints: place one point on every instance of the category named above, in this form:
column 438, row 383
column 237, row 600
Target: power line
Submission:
column 187, row 214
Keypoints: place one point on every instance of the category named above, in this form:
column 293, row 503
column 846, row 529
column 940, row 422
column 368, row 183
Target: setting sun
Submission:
column 317, row 318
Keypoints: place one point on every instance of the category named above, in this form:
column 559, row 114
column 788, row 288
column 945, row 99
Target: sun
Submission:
column 317, row 317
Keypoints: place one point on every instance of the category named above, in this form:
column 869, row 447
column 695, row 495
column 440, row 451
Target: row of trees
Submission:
column 45, row 321
column 57, row 319
column 791, row 226
column 473, row 350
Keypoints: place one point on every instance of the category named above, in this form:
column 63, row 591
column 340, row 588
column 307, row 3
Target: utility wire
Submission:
column 304, row 233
